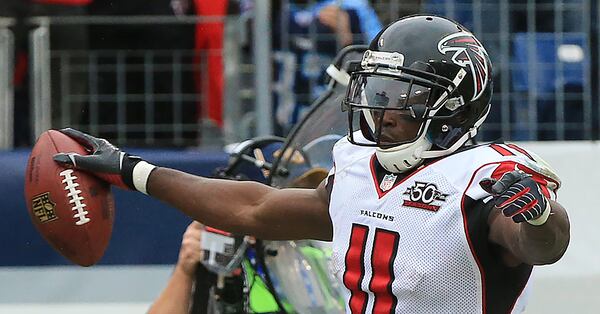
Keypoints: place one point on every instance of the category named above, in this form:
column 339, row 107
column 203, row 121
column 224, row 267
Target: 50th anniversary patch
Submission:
column 422, row 195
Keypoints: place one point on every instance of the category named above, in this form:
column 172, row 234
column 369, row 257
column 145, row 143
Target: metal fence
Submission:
column 544, row 54
column 146, row 93
column 6, row 83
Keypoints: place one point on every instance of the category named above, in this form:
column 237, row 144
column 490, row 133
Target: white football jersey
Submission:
column 418, row 243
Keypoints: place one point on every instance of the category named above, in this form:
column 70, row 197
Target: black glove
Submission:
column 519, row 197
column 105, row 160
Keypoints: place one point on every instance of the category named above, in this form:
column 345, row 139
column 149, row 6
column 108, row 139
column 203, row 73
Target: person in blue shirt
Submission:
column 306, row 36
column 368, row 20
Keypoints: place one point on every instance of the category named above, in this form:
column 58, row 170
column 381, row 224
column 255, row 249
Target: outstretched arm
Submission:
column 245, row 207
column 238, row 207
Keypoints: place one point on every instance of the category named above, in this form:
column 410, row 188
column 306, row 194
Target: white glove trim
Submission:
column 140, row 175
column 543, row 218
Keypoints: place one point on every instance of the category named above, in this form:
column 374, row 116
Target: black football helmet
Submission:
column 431, row 74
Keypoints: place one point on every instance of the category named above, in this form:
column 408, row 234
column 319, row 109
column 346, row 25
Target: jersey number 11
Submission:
column 383, row 254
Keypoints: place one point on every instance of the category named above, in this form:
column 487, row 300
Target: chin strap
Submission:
column 404, row 157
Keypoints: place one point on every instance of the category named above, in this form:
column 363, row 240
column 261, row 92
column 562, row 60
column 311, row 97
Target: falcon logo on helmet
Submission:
column 468, row 52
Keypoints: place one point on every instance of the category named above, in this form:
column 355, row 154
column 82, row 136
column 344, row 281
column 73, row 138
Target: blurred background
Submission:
column 176, row 80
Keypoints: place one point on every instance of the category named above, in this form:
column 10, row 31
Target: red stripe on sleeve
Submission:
column 520, row 150
column 501, row 150
column 502, row 169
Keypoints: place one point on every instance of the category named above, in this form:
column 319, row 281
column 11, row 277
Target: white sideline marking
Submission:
column 75, row 308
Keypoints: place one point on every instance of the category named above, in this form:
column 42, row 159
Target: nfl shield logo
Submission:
column 387, row 182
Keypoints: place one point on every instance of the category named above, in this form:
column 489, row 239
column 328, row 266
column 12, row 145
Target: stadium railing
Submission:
column 6, row 83
column 530, row 43
column 142, row 96
column 533, row 44
column 566, row 112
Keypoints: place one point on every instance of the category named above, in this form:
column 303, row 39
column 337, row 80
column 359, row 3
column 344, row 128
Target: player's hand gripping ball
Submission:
column 73, row 210
column 104, row 160
column 519, row 197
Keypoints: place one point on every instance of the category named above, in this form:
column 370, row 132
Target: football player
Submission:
column 420, row 221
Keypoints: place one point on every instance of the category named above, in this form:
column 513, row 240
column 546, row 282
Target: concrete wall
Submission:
column 572, row 285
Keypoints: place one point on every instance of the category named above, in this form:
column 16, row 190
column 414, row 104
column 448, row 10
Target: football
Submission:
column 72, row 210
